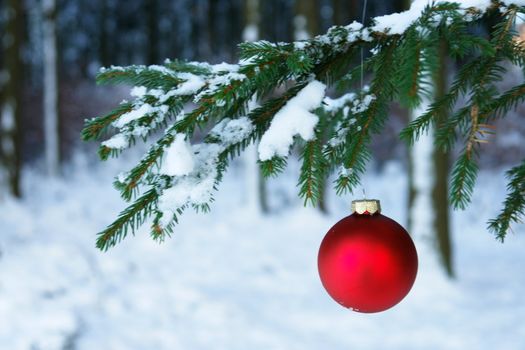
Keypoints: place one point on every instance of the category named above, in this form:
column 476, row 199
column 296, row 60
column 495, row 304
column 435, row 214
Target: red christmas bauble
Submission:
column 367, row 262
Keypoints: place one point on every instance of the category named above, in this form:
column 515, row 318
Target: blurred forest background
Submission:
column 233, row 278
column 52, row 50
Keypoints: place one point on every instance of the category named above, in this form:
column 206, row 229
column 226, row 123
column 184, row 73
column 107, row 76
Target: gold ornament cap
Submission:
column 366, row 206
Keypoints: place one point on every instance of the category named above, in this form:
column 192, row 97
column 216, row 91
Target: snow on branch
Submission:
column 194, row 168
column 295, row 118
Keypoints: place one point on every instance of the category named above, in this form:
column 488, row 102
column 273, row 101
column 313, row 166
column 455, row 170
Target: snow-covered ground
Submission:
column 236, row 280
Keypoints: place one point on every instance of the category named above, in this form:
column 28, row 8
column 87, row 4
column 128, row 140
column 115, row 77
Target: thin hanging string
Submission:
column 362, row 49
column 362, row 63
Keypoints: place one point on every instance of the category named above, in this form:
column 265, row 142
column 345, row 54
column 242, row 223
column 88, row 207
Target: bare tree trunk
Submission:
column 306, row 19
column 421, row 177
column 440, row 190
column 411, row 198
column 428, row 211
column 51, row 132
column 200, row 30
column 345, row 11
column 10, row 107
column 257, row 196
column 251, row 20
column 153, row 31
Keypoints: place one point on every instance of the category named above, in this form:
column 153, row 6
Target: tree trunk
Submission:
column 153, row 31
column 440, row 190
column 251, row 20
column 51, row 132
column 200, row 30
column 235, row 28
column 345, row 11
column 10, row 106
column 306, row 21
column 257, row 196
column 428, row 211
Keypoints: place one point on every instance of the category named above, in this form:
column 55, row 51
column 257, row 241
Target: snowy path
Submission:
column 234, row 280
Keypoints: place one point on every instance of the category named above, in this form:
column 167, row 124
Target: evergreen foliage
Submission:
column 401, row 67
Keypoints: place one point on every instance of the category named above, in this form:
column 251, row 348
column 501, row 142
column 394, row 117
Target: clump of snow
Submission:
column 188, row 190
column 134, row 114
column 118, row 141
column 361, row 105
column 354, row 26
column 345, row 172
column 340, row 134
column 300, row 45
column 350, row 105
column 232, row 131
column 141, row 68
column 161, row 69
column 191, row 85
column 397, row 23
column 295, row 118
column 354, row 31
column 138, row 91
column 218, row 81
column 195, row 185
column 338, row 38
column 224, row 67
column 194, row 189
column 334, row 105
column 178, row 159
column 112, row 68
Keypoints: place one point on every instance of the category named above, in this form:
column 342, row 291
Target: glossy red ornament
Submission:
column 367, row 262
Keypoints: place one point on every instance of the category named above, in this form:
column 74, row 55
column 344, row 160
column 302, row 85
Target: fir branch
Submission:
column 151, row 77
column 186, row 125
column 465, row 170
column 313, row 171
column 201, row 69
column 273, row 167
column 129, row 219
column 262, row 49
column 463, row 178
column 440, row 108
column 507, row 101
column 514, row 205
column 410, row 71
column 94, row 128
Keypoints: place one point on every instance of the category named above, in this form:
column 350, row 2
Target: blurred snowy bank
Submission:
column 234, row 279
